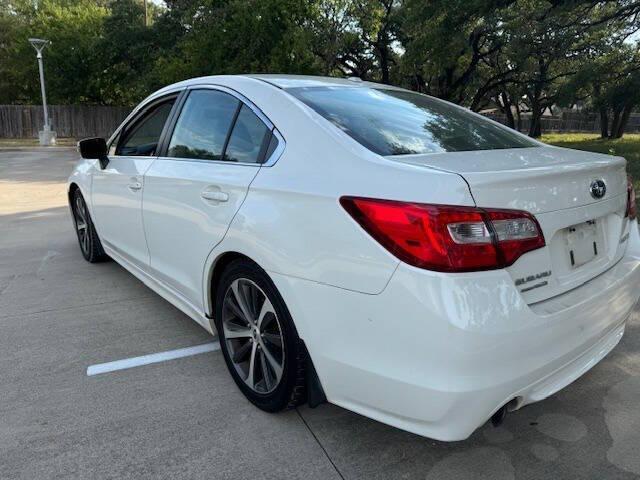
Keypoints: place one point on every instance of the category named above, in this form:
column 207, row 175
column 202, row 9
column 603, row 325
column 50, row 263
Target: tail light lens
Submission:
column 447, row 238
column 631, row 200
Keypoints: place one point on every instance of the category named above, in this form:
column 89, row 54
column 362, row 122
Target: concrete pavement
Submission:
column 185, row 418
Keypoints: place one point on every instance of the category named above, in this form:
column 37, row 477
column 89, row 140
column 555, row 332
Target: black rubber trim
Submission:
column 315, row 392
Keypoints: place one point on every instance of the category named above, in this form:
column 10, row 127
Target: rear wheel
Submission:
column 90, row 245
column 259, row 341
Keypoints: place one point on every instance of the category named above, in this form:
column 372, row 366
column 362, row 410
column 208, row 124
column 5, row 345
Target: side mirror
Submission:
column 94, row 149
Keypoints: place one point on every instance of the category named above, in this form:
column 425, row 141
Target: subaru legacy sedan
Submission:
column 361, row 244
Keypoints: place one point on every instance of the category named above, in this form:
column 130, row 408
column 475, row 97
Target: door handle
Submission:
column 215, row 195
column 135, row 186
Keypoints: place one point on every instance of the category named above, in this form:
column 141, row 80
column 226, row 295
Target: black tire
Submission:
column 290, row 390
column 88, row 240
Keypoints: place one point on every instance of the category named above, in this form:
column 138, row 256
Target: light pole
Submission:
column 46, row 136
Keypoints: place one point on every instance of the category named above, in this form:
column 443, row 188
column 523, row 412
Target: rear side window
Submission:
column 249, row 138
column 203, row 126
column 143, row 136
column 397, row 122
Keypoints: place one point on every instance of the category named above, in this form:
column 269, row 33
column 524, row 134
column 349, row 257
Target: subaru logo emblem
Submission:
column 598, row 189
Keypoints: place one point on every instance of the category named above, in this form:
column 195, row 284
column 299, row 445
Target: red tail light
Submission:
column 447, row 238
column 631, row 200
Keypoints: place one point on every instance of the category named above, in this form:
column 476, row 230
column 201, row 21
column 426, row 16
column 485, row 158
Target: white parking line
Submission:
column 151, row 358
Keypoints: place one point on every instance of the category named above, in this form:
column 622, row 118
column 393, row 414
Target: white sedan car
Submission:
column 389, row 252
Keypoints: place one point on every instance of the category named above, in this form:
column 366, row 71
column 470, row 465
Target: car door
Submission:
column 199, row 182
column 117, row 189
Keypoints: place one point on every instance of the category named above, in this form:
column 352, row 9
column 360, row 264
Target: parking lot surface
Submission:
column 185, row 418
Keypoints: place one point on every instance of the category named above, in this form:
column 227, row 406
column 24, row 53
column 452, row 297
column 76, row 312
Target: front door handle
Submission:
column 215, row 195
column 135, row 186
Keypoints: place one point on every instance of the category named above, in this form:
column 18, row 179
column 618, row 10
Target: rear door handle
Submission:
column 135, row 186
column 215, row 195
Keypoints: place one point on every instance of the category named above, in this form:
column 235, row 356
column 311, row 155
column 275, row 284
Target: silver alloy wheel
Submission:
column 82, row 224
column 253, row 335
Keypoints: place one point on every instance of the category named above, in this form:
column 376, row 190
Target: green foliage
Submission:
column 74, row 29
column 521, row 56
column 240, row 36
column 628, row 147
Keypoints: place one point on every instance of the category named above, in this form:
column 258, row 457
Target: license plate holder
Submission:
column 582, row 243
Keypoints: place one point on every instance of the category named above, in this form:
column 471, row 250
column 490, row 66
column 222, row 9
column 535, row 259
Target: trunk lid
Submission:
column 584, row 235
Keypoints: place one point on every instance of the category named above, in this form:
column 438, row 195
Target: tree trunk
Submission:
column 506, row 106
column 604, row 122
column 622, row 123
column 615, row 122
column 518, row 117
column 383, row 56
column 535, row 129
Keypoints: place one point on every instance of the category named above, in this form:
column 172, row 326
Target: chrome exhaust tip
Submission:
column 498, row 417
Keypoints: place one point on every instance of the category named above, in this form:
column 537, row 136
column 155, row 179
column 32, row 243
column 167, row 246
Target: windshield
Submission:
column 398, row 122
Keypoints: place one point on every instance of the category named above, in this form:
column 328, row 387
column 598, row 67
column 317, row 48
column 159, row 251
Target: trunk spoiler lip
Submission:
column 569, row 158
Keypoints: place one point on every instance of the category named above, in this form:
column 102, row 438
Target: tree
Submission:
column 551, row 48
column 239, row 36
column 127, row 53
column 613, row 89
column 11, row 34
column 73, row 27
column 445, row 43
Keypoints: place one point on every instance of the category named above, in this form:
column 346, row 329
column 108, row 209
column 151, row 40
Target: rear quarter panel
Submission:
column 292, row 223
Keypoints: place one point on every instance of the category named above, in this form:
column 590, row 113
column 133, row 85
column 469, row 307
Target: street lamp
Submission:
column 46, row 136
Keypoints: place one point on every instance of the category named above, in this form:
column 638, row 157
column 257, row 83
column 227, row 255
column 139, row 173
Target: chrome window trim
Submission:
column 275, row 156
column 245, row 101
column 141, row 106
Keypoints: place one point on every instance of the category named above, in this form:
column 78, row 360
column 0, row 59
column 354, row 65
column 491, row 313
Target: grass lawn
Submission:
column 627, row 147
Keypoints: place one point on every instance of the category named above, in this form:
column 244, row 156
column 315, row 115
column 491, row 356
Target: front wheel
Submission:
column 259, row 341
column 90, row 245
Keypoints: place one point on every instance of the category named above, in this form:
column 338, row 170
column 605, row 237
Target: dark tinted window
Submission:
column 142, row 139
column 247, row 141
column 396, row 122
column 203, row 126
column 273, row 144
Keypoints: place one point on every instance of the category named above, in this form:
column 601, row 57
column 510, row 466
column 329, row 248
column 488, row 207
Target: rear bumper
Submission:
column 438, row 354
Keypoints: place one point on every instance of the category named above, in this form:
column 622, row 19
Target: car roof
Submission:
column 282, row 81
column 292, row 81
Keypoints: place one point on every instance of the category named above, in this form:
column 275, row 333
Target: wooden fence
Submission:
column 76, row 121
column 80, row 121
column 571, row 122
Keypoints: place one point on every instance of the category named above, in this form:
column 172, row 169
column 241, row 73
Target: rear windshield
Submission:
column 398, row 122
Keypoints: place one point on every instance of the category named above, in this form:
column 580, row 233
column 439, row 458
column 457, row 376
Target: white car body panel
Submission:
column 116, row 197
column 173, row 195
column 433, row 353
column 530, row 179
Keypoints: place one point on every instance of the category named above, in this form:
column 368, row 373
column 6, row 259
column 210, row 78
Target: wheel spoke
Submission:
column 273, row 338
column 252, row 365
column 273, row 363
column 254, row 297
column 241, row 352
column 81, row 225
column 266, row 373
column 235, row 309
column 242, row 303
column 80, row 209
column 85, row 241
column 266, row 309
column 239, row 332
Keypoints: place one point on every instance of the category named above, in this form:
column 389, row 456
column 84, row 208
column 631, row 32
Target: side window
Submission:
column 203, row 126
column 273, row 144
column 142, row 139
column 248, row 139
